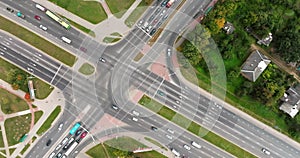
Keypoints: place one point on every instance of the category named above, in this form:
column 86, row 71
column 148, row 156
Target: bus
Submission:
column 23, row 138
column 72, row 147
column 75, row 128
column 58, row 19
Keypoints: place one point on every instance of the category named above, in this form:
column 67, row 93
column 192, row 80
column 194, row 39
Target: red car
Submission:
column 83, row 134
column 37, row 17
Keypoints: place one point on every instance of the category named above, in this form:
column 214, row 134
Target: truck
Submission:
column 145, row 25
column 169, row 4
column 72, row 147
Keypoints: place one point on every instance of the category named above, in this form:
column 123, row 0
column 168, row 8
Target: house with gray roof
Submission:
column 291, row 101
column 228, row 27
column 255, row 64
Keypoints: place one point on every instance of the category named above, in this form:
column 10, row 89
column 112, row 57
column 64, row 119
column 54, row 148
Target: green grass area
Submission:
column 41, row 87
column 80, row 27
column 37, row 41
column 116, row 34
column 121, row 147
column 37, row 116
column 192, row 127
column 1, row 140
column 47, row 124
column 110, row 39
column 119, row 7
column 155, row 142
column 91, row 11
column 12, row 150
column 136, row 13
column 86, row 69
column 97, row 151
column 11, row 103
column 1, row 156
column 16, row 127
column 33, row 138
column 25, row 148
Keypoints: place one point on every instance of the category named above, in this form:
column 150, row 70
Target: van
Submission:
column 176, row 153
column 38, row 6
column 65, row 39
column 196, row 145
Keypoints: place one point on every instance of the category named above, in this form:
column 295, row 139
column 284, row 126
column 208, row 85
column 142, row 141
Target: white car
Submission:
column 187, row 147
column 169, row 137
column 135, row 119
column 102, row 60
column 169, row 51
column 60, row 126
column 58, row 147
column 265, row 151
column 170, row 131
column 43, row 27
column 135, row 113
column 65, row 140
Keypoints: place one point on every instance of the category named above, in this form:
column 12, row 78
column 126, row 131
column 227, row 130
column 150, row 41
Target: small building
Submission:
column 291, row 100
column 255, row 64
column 228, row 27
column 266, row 41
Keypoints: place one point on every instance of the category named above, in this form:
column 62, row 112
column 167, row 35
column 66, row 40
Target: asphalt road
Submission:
column 88, row 98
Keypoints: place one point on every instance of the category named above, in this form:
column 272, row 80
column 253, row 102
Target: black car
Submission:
column 152, row 32
column 154, row 128
column 79, row 131
column 10, row 10
column 49, row 142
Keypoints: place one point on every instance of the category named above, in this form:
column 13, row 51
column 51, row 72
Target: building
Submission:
column 291, row 100
column 266, row 41
column 228, row 27
column 255, row 64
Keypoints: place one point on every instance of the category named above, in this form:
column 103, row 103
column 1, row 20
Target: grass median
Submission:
column 193, row 127
column 47, row 124
column 37, row 41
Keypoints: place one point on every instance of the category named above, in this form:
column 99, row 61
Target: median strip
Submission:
column 37, row 41
column 193, row 127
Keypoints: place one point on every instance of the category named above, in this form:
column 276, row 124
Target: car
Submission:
column 164, row 3
column 162, row 13
column 169, row 137
column 265, row 151
column 135, row 113
column 1, row 53
column 9, row 9
column 59, row 155
column 187, row 147
column 70, row 141
column 165, row 17
column 65, row 141
column 102, row 60
column 83, row 49
column 158, row 24
column 60, row 126
column 37, row 17
column 177, row 101
column 151, row 18
column 78, row 132
column 149, row 28
column 153, row 32
column 141, row 22
column 83, row 134
column 170, row 131
column 64, row 156
column 154, row 128
column 160, row 93
column 115, row 107
column 30, row 69
column 157, row 10
column 58, row 147
column 135, row 119
column 155, row 21
column 43, row 27
column 52, row 155
column 169, row 52
column 49, row 142
column 19, row 14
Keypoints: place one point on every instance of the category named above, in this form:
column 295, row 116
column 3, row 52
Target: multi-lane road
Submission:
column 87, row 99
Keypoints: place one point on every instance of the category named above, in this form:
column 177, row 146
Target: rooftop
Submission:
column 291, row 100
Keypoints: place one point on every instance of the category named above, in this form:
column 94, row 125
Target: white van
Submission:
column 196, row 145
column 65, row 39
column 176, row 153
column 38, row 6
